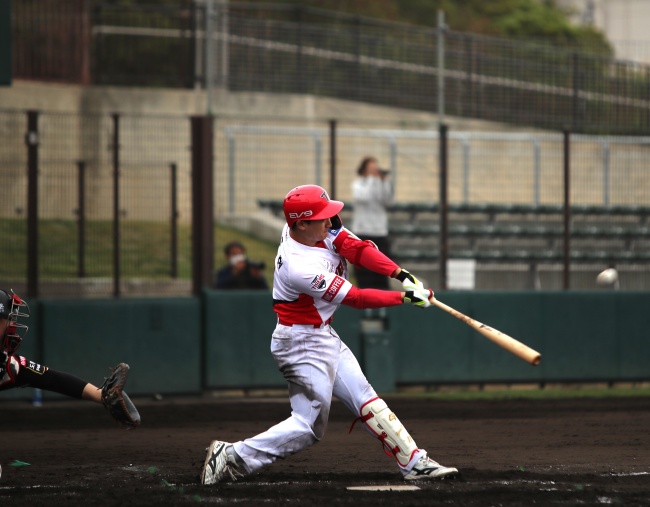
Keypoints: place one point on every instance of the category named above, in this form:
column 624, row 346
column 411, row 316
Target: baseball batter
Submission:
column 18, row 371
column 310, row 282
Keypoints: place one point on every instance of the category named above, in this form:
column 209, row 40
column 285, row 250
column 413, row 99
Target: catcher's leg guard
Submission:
column 385, row 425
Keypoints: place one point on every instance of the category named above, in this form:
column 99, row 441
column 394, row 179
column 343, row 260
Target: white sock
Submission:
column 233, row 457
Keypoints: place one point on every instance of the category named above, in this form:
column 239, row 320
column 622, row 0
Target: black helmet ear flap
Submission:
column 337, row 223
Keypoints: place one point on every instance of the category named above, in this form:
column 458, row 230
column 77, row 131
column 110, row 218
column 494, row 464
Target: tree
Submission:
column 538, row 20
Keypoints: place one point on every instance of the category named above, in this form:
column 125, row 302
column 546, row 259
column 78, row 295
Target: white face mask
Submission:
column 236, row 259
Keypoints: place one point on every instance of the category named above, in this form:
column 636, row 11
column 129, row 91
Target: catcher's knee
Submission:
column 385, row 425
column 9, row 368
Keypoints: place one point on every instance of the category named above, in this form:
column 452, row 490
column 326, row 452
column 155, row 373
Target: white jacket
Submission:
column 371, row 196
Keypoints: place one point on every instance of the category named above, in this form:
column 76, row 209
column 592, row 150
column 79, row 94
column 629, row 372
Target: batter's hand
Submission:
column 409, row 282
column 420, row 298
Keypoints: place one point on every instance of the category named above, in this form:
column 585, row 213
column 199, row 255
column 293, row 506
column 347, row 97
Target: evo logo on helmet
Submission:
column 302, row 214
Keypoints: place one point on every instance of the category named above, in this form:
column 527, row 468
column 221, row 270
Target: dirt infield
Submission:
column 514, row 452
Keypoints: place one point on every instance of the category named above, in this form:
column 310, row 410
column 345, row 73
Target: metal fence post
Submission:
column 566, row 279
column 605, row 151
column 202, row 203
column 443, row 206
column 31, row 139
column 466, row 168
column 440, row 37
column 209, row 55
column 299, row 71
column 576, row 91
column 537, row 171
column 116, row 204
column 81, row 219
column 318, row 153
column 174, row 220
column 357, row 55
column 333, row 159
column 232, row 150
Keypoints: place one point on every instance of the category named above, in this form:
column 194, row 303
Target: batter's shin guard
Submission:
column 385, row 425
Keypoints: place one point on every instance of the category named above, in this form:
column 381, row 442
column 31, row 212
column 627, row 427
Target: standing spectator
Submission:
column 372, row 192
column 240, row 273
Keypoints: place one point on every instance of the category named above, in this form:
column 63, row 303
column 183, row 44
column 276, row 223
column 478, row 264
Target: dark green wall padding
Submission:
column 158, row 338
column 221, row 340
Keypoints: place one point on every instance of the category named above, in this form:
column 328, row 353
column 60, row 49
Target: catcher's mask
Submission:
column 16, row 311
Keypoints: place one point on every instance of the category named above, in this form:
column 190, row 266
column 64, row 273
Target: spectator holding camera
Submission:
column 240, row 273
column 372, row 192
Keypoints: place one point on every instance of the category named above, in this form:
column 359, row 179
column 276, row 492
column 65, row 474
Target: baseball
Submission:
column 607, row 277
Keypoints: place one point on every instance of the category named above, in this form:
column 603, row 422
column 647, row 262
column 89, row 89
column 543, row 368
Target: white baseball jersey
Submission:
column 309, row 283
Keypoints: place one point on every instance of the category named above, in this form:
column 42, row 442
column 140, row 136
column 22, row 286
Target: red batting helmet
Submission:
column 309, row 202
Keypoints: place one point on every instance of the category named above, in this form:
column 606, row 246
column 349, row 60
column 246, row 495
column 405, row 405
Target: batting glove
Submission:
column 419, row 298
column 409, row 282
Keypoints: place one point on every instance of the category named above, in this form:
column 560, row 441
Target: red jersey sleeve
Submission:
column 372, row 298
column 364, row 254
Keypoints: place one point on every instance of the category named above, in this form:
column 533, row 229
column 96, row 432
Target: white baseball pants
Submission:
column 316, row 364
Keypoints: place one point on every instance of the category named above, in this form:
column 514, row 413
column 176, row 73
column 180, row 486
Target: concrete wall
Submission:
column 624, row 22
column 267, row 143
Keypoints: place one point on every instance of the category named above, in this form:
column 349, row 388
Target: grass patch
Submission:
column 145, row 249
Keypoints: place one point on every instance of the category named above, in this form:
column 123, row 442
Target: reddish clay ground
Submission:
column 522, row 452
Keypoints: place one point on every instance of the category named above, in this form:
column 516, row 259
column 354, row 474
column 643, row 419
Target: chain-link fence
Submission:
column 103, row 205
column 293, row 49
column 506, row 196
column 113, row 203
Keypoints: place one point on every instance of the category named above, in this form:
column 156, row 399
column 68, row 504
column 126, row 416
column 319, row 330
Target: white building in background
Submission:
column 626, row 23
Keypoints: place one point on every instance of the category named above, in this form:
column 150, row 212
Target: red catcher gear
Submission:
column 309, row 202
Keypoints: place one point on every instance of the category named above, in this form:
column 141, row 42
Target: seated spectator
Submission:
column 240, row 273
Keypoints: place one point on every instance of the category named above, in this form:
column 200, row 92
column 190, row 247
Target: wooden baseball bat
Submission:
column 501, row 339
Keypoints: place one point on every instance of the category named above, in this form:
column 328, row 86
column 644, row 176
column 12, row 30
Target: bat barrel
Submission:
column 501, row 339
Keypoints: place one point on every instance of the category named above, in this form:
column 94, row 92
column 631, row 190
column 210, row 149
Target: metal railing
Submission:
column 106, row 205
column 289, row 49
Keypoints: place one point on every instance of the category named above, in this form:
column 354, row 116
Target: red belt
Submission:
column 316, row 326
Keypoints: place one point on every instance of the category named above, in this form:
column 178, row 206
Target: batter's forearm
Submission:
column 372, row 298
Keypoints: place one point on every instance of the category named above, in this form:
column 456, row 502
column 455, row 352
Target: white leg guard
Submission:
column 385, row 425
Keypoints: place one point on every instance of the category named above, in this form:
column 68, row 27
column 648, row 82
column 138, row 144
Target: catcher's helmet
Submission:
column 309, row 202
column 12, row 308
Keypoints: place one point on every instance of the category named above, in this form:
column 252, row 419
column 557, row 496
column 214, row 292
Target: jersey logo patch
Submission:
column 31, row 365
column 318, row 283
column 36, row 368
column 333, row 289
column 279, row 262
